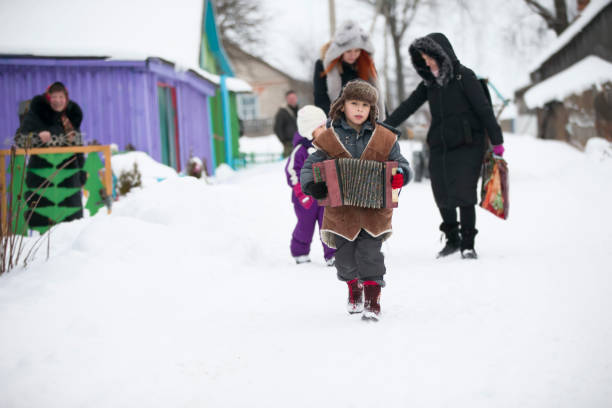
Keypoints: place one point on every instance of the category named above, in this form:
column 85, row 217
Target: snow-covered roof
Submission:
column 587, row 15
column 233, row 84
column 122, row 30
column 579, row 77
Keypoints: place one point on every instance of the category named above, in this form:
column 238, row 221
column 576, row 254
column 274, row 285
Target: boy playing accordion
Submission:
column 357, row 233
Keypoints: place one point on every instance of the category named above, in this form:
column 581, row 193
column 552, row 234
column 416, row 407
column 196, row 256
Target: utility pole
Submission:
column 332, row 18
column 379, row 4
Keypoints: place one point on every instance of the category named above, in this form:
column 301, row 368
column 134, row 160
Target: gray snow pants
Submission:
column 360, row 259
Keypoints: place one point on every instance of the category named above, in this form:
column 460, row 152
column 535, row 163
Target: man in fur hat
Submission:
column 357, row 233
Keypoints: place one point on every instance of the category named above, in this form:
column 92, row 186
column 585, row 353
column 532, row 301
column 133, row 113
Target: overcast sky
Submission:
column 496, row 38
column 296, row 26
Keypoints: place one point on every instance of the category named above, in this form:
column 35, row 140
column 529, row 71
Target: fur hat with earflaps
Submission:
column 358, row 90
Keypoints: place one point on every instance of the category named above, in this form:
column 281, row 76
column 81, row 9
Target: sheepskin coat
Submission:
column 372, row 143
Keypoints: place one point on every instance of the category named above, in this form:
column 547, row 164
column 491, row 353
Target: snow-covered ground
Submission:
column 186, row 296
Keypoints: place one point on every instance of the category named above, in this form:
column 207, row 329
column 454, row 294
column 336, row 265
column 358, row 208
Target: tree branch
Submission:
column 557, row 21
column 240, row 21
column 541, row 10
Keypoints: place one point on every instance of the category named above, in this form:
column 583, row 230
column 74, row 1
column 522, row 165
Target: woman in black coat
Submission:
column 52, row 121
column 461, row 118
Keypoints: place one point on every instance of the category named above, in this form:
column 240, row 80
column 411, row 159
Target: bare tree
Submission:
column 398, row 15
column 556, row 19
column 240, row 22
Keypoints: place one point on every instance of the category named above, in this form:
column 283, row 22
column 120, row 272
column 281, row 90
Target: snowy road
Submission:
column 186, row 296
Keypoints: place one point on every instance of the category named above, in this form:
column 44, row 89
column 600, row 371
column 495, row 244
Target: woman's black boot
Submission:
column 467, row 243
column 453, row 241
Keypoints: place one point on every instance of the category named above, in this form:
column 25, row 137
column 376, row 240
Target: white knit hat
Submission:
column 308, row 119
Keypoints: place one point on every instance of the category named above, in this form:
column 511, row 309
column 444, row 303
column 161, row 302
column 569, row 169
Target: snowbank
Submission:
column 260, row 144
column 151, row 171
column 224, row 173
column 589, row 72
column 599, row 149
column 187, row 296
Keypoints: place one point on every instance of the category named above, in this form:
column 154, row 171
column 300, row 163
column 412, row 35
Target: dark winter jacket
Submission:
column 370, row 144
column 461, row 117
column 285, row 123
column 41, row 117
column 321, row 96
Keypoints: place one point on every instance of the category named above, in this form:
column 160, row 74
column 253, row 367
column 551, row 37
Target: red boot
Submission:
column 355, row 297
column 372, row 300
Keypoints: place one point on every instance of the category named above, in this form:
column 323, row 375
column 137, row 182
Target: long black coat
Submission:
column 461, row 117
column 42, row 117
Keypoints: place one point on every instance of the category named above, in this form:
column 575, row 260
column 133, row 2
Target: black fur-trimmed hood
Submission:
column 40, row 107
column 437, row 46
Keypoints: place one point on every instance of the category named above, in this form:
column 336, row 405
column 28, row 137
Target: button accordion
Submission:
column 357, row 182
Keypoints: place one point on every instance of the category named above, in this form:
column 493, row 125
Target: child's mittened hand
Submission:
column 318, row 190
column 498, row 150
column 397, row 181
column 305, row 201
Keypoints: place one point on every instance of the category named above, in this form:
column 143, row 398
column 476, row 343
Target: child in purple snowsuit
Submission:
column 309, row 119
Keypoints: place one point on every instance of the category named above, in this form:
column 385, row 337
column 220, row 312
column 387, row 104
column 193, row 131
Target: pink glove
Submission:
column 498, row 150
column 305, row 200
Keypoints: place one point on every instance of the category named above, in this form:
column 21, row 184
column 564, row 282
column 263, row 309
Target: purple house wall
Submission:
column 119, row 100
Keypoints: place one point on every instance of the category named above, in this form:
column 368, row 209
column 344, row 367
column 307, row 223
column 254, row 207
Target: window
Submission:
column 248, row 106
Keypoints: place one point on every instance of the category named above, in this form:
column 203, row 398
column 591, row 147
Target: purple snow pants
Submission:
column 302, row 234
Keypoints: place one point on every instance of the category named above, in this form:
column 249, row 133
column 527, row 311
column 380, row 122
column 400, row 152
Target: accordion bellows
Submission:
column 357, row 182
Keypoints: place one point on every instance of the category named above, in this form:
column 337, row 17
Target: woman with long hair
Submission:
column 346, row 57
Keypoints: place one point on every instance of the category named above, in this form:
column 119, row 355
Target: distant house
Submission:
column 571, row 83
column 257, row 109
column 144, row 87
